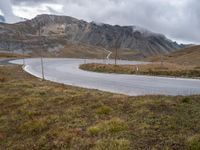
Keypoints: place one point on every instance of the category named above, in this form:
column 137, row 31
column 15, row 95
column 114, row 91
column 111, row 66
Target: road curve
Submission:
column 67, row 71
column 109, row 54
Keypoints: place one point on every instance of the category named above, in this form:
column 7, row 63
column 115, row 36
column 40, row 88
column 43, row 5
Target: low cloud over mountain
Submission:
column 178, row 19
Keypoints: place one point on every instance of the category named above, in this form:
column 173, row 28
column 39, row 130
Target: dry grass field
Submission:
column 39, row 115
column 155, row 69
column 187, row 56
column 10, row 55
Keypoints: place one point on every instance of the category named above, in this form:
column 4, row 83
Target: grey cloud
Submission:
column 178, row 19
column 6, row 8
column 28, row 2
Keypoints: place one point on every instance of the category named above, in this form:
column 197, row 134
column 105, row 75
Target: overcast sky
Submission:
column 177, row 19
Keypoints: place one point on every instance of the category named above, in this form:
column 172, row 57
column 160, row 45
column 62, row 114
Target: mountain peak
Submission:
column 98, row 34
column 45, row 19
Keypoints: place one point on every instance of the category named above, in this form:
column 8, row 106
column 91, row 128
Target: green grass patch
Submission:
column 194, row 142
column 34, row 126
column 112, row 144
column 104, row 110
column 111, row 126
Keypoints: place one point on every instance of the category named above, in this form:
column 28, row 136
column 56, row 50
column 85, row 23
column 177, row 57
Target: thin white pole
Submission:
column 23, row 58
column 41, row 58
column 22, row 46
column 42, row 67
column 116, row 53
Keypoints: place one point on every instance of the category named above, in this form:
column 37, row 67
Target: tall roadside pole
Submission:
column 162, row 61
column 41, row 57
column 22, row 47
column 116, row 53
column 23, row 55
column 117, row 45
column 20, row 39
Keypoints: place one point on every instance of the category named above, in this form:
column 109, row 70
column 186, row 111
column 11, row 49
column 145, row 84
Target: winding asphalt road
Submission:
column 67, row 71
column 5, row 61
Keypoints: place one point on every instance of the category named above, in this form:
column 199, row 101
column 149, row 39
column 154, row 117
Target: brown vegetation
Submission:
column 44, row 115
column 156, row 69
column 187, row 56
column 11, row 55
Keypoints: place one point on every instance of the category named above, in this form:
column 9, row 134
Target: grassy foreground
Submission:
column 156, row 69
column 43, row 115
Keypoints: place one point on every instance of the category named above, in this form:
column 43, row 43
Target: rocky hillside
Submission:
column 74, row 30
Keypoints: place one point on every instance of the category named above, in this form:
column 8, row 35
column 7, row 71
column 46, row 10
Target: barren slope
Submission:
column 187, row 56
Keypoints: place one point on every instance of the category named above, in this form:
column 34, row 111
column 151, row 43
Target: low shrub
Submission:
column 193, row 142
column 186, row 100
column 104, row 110
column 2, row 79
column 112, row 144
column 33, row 126
column 113, row 125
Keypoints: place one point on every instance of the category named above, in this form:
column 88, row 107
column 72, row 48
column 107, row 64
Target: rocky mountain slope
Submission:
column 58, row 29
